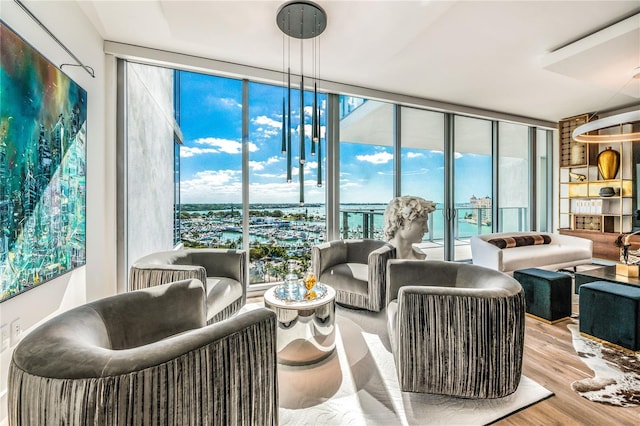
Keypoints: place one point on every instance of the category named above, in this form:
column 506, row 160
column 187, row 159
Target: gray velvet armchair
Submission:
column 356, row 269
column 94, row 365
column 223, row 271
column 455, row 329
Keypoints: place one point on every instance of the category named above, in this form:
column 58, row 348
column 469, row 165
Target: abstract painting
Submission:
column 43, row 118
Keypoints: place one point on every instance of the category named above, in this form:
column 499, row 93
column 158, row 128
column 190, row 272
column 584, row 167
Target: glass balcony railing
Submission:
column 469, row 221
column 359, row 223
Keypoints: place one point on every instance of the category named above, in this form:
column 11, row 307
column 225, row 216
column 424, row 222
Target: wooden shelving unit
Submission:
column 572, row 153
column 582, row 209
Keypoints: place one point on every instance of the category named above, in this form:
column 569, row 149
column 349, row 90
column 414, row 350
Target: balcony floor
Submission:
column 435, row 249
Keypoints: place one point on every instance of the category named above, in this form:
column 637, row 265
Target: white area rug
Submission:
column 357, row 385
column 616, row 378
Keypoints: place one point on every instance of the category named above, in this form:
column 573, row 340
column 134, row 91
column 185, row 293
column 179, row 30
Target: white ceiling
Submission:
column 528, row 58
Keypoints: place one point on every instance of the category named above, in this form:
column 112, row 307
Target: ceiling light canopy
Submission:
column 301, row 19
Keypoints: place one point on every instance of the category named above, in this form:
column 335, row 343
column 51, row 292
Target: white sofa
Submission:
column 562, row 251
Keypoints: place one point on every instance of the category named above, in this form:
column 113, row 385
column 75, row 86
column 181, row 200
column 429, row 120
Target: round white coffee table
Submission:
column 306, row 328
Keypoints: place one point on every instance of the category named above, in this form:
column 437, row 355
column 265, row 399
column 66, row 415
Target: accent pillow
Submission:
column 519, row 241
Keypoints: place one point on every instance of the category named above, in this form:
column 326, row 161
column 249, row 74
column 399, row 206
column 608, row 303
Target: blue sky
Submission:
column 211, row 157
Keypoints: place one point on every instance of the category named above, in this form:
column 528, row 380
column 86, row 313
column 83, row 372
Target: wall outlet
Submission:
column 5, row 337
column 16, row 331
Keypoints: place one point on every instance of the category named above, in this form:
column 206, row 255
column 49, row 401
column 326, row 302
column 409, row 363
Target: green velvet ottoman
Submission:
column 611, row 312
column 547, row 293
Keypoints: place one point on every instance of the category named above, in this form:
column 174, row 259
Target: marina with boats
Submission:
column 279, row 232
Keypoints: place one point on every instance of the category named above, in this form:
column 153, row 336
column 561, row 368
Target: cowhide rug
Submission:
column 617, row 374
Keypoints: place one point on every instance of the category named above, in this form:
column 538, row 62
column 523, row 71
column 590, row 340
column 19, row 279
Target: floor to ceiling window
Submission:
column 422, row 169
column 210, row 161
column 231, row 186
column 286, row 202
column 280, row 225
column 366, row 166
column 473, row 172
column 513, row 177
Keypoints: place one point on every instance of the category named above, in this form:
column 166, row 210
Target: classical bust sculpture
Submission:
column 405, row 222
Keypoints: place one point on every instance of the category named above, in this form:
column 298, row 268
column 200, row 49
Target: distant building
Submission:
column 484, row 207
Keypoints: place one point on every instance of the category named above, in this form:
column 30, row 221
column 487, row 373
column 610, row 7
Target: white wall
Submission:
column 97, row 279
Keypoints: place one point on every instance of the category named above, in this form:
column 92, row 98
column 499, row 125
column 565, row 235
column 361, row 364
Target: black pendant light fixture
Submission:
column 301, row 20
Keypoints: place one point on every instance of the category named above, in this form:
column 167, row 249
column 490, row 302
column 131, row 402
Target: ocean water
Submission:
column 463, row 228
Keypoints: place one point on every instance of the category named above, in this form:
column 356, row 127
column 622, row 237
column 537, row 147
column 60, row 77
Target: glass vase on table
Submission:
column 292, row 282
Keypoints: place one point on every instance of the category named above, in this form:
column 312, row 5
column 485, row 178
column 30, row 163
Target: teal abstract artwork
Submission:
column 43, row 119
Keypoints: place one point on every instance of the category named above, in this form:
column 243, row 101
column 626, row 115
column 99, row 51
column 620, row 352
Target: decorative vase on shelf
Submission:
column 608, row 163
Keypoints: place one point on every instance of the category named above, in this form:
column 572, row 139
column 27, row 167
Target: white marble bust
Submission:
column 405, row 223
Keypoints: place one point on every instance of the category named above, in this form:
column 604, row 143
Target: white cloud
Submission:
column 414, row 154
column 295, row 171
column 310, row 165
column 350, row 184
column 213, row 177
column 222, row 145
column 287, row 192
column 421, row 171
column 212, row 186
column 377, row 158
column 260, row 165
column 267, row 133
column 266, row 127
column 256, row 165
column 308, row 110
column 266, row 121
column 226, row 146
column 188, row 151
column 214, row 101
column 346, row 185
column 457, row 155
column 229, row 102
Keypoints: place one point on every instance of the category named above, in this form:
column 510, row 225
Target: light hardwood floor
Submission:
column 550, row 360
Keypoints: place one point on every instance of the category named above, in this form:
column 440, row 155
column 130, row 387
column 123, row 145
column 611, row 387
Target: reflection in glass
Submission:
column 366, row 166
column 513, row 175
column 543, row 165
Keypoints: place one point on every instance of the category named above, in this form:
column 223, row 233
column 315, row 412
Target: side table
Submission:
column 606, row 273
column 306, row 328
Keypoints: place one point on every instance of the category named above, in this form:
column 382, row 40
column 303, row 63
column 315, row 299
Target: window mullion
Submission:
column 245, row 164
